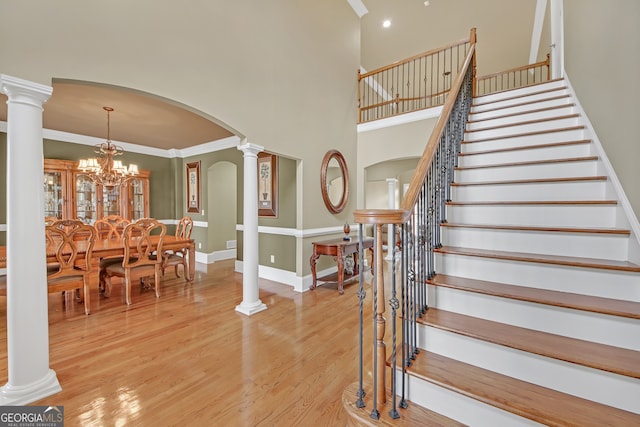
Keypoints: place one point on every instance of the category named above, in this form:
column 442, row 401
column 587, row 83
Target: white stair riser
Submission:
column 507, row 100
column 523, row 140
column 522, row 128
column 586, row 245
column 458, row 407
column 589, row 281
column 535, row 215
column 522, row 108
column 575, row 190
column 512, row 120
column 529, row 154
column 606, row 388
column 548, row 87
column 542, row 170
column 609, row 330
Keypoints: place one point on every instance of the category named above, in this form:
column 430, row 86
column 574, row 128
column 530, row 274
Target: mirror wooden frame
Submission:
column 334, row 154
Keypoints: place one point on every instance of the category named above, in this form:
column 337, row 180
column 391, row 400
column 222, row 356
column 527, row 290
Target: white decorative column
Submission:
column 29, row 375
column 250, row 304
column 391, row 236
column 557, row 38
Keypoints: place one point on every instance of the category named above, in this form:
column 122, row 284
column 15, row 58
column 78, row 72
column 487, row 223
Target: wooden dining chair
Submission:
column 110, row 227
column 176, row 258
column 72, row 242
column 141, row 240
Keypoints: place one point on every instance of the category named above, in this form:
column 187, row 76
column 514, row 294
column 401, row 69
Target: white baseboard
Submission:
column 299, row 284
column 212, row 257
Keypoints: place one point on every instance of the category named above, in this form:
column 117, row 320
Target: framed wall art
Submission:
column 267, row 184
column 193, row 187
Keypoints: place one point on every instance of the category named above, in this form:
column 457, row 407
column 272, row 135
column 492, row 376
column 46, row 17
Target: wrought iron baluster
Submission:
column 361, row 296
column 394, row 304
column 375, row 414
column 404, row 258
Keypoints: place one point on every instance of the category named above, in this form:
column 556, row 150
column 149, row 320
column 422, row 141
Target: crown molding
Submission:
column 207, row 147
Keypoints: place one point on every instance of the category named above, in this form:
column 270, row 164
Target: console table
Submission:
column 339, row 249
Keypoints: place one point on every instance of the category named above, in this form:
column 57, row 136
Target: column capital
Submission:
column 24, row 91
column 250, row 149
column 392, row 180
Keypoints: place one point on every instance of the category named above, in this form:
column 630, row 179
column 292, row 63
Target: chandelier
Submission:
column 104, row 170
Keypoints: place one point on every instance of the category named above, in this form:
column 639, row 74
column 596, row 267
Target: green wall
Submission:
column 167, row 196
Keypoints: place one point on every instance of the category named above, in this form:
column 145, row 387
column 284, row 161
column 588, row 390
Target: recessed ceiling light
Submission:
column 386, row 23
column 427, row 3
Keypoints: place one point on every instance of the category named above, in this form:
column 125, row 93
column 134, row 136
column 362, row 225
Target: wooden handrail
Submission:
column 413, row 58
column 381, row 217
column 411, row 196
column 546, row 63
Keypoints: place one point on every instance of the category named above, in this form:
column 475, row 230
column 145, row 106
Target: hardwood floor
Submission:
column 189, row 359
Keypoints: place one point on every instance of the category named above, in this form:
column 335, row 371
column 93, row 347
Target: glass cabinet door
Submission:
column 53, row 194
column 86, row 199
column 111, row 204
column 137, row 199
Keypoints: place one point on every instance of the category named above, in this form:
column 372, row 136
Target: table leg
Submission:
column 340, row 260
column 312, row 261
column 192, row 261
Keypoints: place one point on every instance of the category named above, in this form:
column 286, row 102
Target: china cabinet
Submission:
column 69, row 193
column 57, row 188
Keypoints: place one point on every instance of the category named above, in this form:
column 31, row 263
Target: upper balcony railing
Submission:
column 422, row 81
column 514, row 78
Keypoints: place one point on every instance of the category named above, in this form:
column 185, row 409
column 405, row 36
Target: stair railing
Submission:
column 419, row 217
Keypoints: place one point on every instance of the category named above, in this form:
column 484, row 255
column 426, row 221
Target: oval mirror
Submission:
column 334, row 181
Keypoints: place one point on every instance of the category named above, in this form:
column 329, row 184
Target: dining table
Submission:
column 115, row 247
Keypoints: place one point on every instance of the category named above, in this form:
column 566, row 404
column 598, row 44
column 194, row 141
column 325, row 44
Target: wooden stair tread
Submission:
column 526, row 147
column 544, row 259
column 533, row 181
column 533, row 202
column 517, row 135
column 413, row 415
column 593, row 304
column 527, row 400
column 530, row 163
column 604, row 357
column 526, row 122
column 587, row 230
column 519, row 113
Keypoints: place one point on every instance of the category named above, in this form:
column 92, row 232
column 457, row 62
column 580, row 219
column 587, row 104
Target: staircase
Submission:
column 534, row 315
